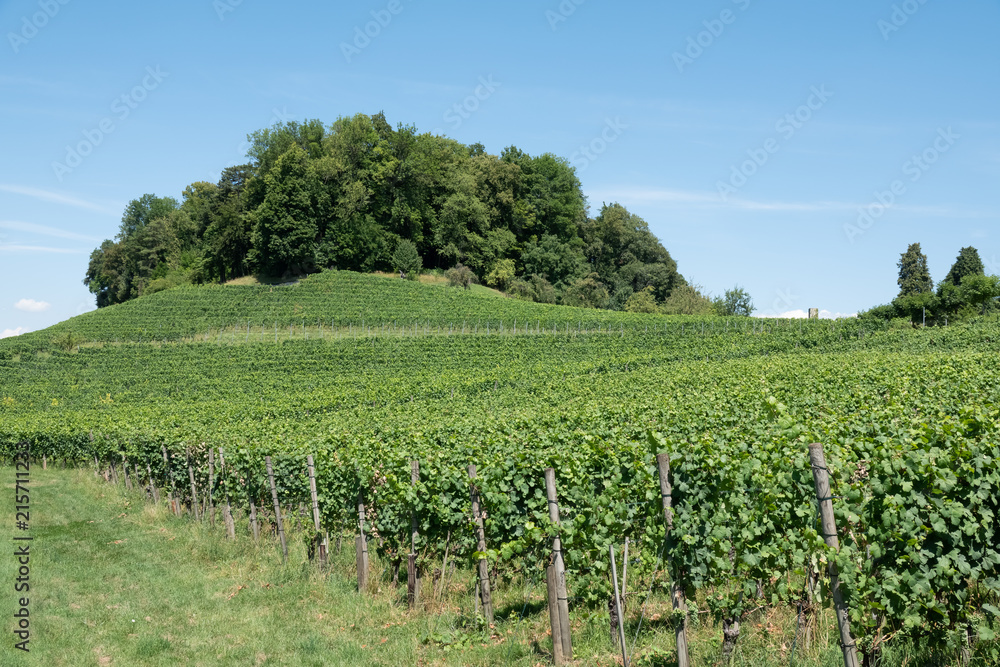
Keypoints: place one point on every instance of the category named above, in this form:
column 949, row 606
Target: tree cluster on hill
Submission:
column 965, row 292
column 363, row 196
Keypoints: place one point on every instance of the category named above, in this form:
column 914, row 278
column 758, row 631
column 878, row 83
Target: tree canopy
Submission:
column 349, row 195
column 965, row 292
column 968, row 263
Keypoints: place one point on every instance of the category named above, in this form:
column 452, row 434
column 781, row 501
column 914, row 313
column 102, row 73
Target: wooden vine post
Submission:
column 552, row 596
column 412, row 575
column 254, row 526
column 211, row 485
column 676, row 592
column 821, row 477
column 174, row 505
column 194, row 489
column 361, row 548
column 319, row 543
column 619, row 612
column 128, row 482
column 227, row 512
column 152, row 484
column 277, row 510
column 556, row 573
column 484, row 570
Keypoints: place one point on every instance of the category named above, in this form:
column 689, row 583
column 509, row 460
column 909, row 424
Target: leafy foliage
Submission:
column 346, row 196
column 460, row 276
column 407, row 260
column 736, row 302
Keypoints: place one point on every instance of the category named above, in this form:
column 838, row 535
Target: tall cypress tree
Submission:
column 914, row 277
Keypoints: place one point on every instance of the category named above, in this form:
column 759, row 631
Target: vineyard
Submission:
column 367, row 376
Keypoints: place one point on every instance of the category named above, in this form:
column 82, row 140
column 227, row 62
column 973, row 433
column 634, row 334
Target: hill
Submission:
column 337, row 299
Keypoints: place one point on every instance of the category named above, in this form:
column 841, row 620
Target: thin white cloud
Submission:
column 705, row 199
column 27, row 82
column 32, row 306
column 7, row 333
column 710, row 200
column 17, row 247
column 44, row 230
column 48, row 195
column 624, row 195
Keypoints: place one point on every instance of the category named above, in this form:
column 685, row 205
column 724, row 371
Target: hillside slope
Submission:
column 341, row 299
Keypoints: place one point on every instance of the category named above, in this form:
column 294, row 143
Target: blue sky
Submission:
column 750, row 135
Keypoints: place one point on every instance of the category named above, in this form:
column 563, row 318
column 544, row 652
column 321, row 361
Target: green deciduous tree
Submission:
column 460, row 276
column 407, row 260
column 688, row 300
column 287, row 223
column 587, row 292
column 735, row 302
column 981, row 290
column 501, row 274
column 560, row 262
column 140, row 212
column 626, row 255
column 918, row 305
column 642, row 301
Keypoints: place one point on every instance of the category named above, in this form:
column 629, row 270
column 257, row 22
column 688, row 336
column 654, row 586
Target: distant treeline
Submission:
column 362, row 196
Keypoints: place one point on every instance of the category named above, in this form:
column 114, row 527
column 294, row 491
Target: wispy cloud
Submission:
column 652, row 195
column 44, row 230
column 32, row 306
column 16, row 247
column 7, row 333
column 28, row 82
column 59, row 198
column 710, row 200
column 705, row 199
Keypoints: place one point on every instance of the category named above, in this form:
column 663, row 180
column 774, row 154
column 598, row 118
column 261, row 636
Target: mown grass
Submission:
column 118, row 581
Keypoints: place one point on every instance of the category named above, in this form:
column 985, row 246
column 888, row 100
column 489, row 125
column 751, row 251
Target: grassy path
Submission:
column 117, row 582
